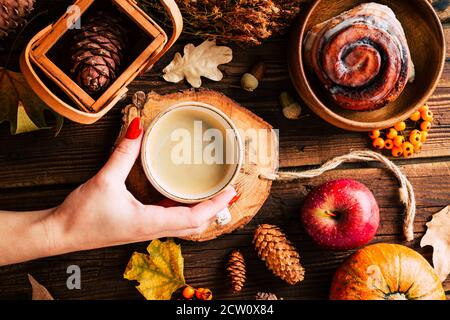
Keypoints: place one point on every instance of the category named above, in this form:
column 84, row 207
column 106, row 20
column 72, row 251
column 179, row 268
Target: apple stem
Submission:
column 331, row 214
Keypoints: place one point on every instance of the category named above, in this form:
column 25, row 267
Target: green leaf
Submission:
column 20, row 106
column 160, row 273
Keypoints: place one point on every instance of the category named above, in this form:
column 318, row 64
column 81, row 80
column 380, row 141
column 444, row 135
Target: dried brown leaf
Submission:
column 438, row 236
column 39, row 291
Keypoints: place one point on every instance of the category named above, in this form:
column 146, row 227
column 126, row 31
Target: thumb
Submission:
column 125, row 154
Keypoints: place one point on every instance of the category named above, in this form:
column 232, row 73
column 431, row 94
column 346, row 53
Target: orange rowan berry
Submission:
column 188, row 292
column 207, row 295
column 425, row 126
column 374, row 134
column 400, row 126
column 392, row 133
column 198, row 293
column 427, row 115
column 414, row 137
column 424, row 108
column 418, row 147
column 415, row 116
column 203, row 294
column 388, row 144
column 398, row 141
column 408, row 149
column 423, row 136
column 378, row 143
column 397, row 151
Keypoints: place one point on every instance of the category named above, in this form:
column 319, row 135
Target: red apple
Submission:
column 341, row 214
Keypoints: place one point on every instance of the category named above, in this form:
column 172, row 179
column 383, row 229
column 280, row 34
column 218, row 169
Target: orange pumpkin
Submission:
column 386, row 272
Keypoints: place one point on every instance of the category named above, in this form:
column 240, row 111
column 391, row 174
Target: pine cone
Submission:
column 279, row 254
column 97, row 52
column 236, row 270
column 13, row 14
column 267, row 296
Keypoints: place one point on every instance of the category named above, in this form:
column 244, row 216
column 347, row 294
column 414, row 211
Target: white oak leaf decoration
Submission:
column 438, row 236
column 197, row 62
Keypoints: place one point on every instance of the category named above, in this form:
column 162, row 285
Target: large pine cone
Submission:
column 97, row 52
column 279, row 254
column 267, row 296
column 236, row 270
column 13, row 14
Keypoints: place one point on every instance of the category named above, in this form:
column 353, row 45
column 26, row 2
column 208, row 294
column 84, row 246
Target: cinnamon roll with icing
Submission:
column 361, row 57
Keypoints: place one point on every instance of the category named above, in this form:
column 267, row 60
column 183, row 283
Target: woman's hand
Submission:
column 102, row 212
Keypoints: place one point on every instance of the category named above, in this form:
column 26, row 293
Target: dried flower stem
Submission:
column 240, row 21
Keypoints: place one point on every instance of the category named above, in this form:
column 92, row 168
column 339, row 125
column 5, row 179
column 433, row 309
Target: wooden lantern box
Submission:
column 49, row 52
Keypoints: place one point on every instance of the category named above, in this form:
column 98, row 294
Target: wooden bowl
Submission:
column 426, row 41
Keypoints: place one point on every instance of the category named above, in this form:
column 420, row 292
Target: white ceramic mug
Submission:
column 154, row 153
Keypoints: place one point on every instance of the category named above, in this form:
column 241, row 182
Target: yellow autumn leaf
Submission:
column 20, row 105
column 24, row 123
column 438, row 236
column 159, row 273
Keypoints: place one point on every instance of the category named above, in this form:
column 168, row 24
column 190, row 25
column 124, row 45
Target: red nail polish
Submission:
column 134, row 129
column 235, row 198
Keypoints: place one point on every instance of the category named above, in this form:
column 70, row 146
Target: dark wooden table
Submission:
column 39, row 170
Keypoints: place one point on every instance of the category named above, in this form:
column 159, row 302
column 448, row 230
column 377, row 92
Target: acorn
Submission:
column 250, row 80
column 290, row 107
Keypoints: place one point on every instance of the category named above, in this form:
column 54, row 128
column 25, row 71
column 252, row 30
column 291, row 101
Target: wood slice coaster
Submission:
column 253, row 191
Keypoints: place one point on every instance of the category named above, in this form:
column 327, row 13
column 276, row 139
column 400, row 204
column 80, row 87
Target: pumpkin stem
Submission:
column 396, row 296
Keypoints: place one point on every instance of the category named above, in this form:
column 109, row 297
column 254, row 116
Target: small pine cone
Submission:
column 267, row 296
column 236, row 270
column 279, row 254
column 97, row 52
column 13, row 14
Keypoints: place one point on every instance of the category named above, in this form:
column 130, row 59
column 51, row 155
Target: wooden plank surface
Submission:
column 38, row 170
column 102, row 269
column 307, row 142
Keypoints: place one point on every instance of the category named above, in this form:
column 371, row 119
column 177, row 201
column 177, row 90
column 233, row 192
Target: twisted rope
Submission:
column 406, row 190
